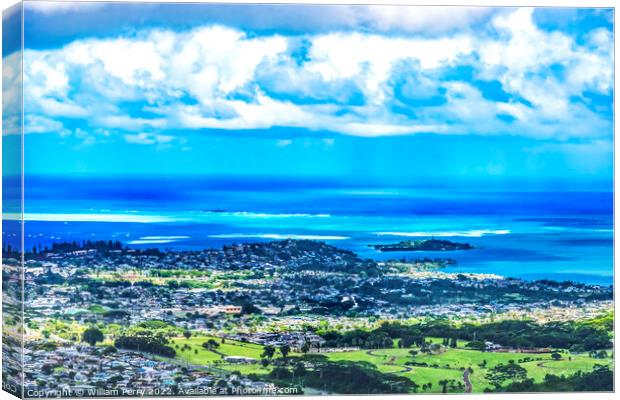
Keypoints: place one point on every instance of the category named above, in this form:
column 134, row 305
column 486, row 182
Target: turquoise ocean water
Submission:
column 526, row 234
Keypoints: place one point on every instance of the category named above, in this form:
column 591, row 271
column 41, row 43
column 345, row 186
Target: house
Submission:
column 240, row 360
column 490, row 346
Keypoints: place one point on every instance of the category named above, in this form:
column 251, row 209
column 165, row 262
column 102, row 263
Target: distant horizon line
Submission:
column 299, row 177
column 287, row 181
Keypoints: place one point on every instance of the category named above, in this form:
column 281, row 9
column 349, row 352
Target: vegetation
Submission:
column 65, row 247
column 147, row 342
column 211, row 344
column 601, row 379
column 92, row 336
column 414, row 355
column 437, row 369
column 344, row 376
column 501, row 373
column 576, row 336
column 424, row 245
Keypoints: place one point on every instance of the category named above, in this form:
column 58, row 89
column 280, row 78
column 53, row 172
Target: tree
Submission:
column 210, row 344
column 284, row 350
column 280, row 373
column 305, row 347
column 187, row 334
column 249, row 308
column 501, row 373
column 299, row 370
column 556, row 356
column 268, row 352
column 600, row 379
column 156, row 343
column 92, row 336
column 109, row 350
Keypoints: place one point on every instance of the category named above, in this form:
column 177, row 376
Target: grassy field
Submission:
column 579, row 362
column 198, row 355
column 447, row 365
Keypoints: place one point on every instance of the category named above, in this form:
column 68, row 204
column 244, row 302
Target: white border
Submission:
column 488, row 3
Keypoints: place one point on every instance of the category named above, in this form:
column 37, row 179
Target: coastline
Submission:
column 570, row 254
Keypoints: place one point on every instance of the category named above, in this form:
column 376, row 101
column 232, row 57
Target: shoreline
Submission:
column 577, row 254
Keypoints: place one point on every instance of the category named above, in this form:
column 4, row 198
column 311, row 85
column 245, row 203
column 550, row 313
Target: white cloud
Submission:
column 11, row 94
column 40, row 124
column 128, row 123
column 284, row 142
column 433, row 19
column 348, row 82
column 594, row 69
column 524, row 59
column 148, row 138
column 370, row 59
column 60, row 7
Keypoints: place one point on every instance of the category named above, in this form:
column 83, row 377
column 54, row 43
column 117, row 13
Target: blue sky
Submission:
column 388, row 94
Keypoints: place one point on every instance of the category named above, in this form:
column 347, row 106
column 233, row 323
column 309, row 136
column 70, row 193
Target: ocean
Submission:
column 523, row 234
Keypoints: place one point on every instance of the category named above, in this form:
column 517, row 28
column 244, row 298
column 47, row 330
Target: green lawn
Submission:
column 579, row 362
column 423, row 375
column 228, row 348
column 447, row 365
column 198, row 355
column 460, row 358
column 393, row 361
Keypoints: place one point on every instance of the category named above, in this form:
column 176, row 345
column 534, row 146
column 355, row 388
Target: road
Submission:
column 466, row 380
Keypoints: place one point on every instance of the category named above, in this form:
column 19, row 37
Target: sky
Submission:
column 399, row 95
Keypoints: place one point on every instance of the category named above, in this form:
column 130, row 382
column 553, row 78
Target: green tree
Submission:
column 109, row 350
column 305, row 347
column 187, row 334
column 249, row 308
column 284, row 350
column 268, row 352
column 210, row 344
column 299, row 370
column 556, row 356
column 504, row 372
column 92, row 336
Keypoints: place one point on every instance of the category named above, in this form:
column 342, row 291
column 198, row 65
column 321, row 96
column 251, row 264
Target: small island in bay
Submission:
column 423, row 245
